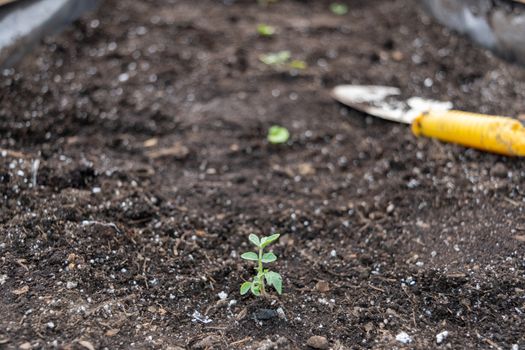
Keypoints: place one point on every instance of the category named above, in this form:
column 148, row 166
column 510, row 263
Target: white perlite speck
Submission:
column 71, row 285
column 404, row 338
column 441, row 336
column 223, row 295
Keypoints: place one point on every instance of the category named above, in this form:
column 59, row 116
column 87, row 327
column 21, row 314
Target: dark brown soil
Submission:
column 149, row 119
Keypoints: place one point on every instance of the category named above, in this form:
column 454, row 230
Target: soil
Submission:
column 134, row 164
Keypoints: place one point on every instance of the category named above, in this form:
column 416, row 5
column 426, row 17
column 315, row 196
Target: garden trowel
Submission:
column 436, row 119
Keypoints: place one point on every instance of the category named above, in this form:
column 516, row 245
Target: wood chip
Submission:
column 177, row 151
column 112, row 332
column 86, row 344
column 151, row 142
column 14, row 154
column 21, row 291
column 242, row 314
column 520, row 238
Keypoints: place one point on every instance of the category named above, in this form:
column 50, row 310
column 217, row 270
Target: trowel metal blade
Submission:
column 384, row 102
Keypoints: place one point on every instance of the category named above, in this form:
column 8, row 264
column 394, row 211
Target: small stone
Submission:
column 265, row 314
column 397, row 56
column 441, row 336
column 322, row 287
column 71, row 285
column 280, row 313
column 25, row 346
column 50, row 325
column 404, row 338
column 499, row 170
column 318, row 342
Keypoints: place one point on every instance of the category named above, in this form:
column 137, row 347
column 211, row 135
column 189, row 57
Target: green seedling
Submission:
column 298, row 64
column 264, row 276
column 339, row 9
column 265, row 30
column 282, row 59
column 278, row 134
column 276, row 58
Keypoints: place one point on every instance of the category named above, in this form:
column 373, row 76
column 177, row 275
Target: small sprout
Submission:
column 278, row 134
column 339, row 9
column 264, row 276
column 282, row 59
column 265, row 30
column 276, row 58
column 298, row 64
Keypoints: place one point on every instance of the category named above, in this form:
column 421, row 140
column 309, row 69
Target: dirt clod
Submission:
column 318, row 342
column 207, row 343
column 499, row 170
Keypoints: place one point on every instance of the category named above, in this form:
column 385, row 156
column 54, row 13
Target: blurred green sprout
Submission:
column 339, row 9
column 276, row 58
column 278, row 134
column 265, row 30
column 282, row 59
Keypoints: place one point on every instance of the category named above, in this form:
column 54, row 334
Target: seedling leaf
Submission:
column 256, row 289
column 245, row 287
column 339, row 9
column 250, row 256
column 276, row 58
column 255, row 240
column 298, row 64
column 265, row 30
column 278, row 134
column 268, row 258
column 270, row 239
column 275, row 280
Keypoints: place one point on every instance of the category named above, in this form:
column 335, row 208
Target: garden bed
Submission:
column 144, row 129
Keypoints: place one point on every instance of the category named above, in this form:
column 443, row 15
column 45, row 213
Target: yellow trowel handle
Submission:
column 495, row 134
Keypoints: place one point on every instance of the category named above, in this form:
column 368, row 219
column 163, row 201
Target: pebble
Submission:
column 318, row 342
column 25, row 346
column 404, row 338
column 265, row 314
column 280, row 313
column 441, row 336
column 499, row 170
